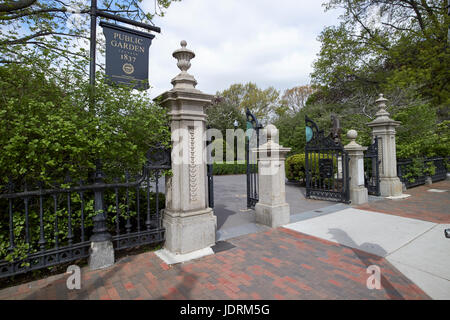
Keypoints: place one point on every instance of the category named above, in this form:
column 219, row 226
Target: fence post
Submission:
column 101, row 253
column 272, row 209
column 189, row 222
column 383, row 127
column 358, row 192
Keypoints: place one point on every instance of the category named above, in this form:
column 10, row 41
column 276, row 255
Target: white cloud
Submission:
column 271, row 43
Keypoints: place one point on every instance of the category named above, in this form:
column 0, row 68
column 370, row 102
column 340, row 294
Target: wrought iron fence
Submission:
column 413, row 172
column 42, row 226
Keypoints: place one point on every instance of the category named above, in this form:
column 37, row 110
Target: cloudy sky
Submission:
column 271, row 43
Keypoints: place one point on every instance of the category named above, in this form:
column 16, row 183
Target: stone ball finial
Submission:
column 352, row 134
column 272, row 131
column 183, row 43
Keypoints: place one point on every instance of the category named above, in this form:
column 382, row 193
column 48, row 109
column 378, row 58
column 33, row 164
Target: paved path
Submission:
column 276, row 264
column 323, row 254
column 233, row 216
column 424, row 204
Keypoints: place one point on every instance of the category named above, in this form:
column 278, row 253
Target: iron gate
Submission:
column 326, row 166
column 372, row 169
column 252, row 140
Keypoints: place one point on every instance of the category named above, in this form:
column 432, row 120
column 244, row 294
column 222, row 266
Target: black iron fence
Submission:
column 413, row 172
column 46, row 225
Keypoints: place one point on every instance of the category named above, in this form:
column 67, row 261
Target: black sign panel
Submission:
column 127, row 55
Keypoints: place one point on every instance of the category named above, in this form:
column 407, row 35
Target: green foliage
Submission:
column 385, row 46
column 232, row 103
column 295, row 167
column 229, row 168
column 419, row 135
column 49, row 130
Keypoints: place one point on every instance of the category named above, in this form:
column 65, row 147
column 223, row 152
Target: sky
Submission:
column 268, row 42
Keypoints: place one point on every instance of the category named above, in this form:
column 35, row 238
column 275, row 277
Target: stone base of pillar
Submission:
column 359, row 196
column 188, row 232
column 101, row 255
column 390, row 187
column 272, row 216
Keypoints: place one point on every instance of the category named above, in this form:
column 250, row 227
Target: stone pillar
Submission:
column 190, row 224
column 272, row 209
column 358, row 192
column 383, row 127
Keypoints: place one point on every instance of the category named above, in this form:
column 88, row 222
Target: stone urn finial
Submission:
column 184, row 80
column 381, row 102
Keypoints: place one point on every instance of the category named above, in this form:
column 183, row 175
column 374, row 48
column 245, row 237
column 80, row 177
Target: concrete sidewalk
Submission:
column 416, row 247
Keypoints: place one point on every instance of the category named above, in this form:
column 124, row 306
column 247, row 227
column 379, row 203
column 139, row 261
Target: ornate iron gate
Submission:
column 372, row 169
column 326, row 166
column 252, row 140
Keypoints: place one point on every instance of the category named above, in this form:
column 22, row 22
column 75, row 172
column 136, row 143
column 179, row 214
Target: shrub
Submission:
column 295, row 167
column 229, row 168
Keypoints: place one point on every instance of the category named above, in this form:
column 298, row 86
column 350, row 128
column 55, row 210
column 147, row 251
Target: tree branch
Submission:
column 25, row 39
column 16, row 5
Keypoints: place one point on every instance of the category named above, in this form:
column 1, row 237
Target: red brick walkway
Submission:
column 423, row 205
column 278, row 264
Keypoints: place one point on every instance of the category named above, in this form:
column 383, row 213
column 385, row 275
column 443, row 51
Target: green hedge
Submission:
column 295, row 167
column 229, row 168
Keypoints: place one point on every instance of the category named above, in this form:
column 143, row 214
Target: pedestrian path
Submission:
column 275, row 264
column 324, row 254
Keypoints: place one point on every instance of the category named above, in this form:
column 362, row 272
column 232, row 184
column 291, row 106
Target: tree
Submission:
column 233, row 102
column 295, row 98
column 59, row 27
column 383, row 45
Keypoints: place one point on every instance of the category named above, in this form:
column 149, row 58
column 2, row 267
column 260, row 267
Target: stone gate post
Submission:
column 383, row 127
column 272, row 209
column 358, row 192
column 190, row 224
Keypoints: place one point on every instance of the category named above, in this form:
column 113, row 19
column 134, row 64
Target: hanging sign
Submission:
column 127, row 55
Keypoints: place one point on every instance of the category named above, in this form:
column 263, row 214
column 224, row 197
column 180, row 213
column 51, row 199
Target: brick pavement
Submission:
column 422, row 205
column 278, row 264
